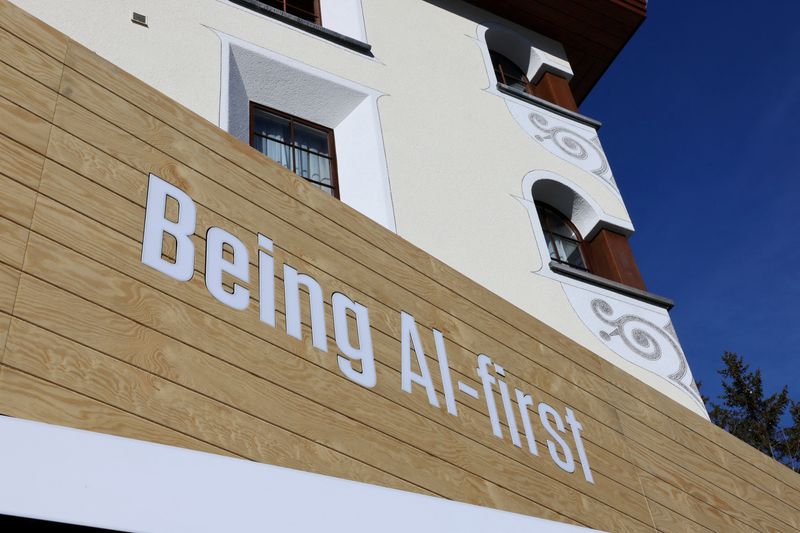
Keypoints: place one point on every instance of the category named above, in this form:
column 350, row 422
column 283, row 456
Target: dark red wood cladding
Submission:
column 610, row 256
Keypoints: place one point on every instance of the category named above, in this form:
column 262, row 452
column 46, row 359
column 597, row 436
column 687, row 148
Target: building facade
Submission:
column 370, row 239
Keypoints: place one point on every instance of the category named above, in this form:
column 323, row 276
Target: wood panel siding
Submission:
column 93, row 338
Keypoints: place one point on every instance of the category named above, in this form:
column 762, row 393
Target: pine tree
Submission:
column 791, row 439
column 755, row 419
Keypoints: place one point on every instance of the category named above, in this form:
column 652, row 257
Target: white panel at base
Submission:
column 68, row 475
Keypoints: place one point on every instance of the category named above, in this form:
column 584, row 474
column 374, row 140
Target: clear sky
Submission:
column 701, row 115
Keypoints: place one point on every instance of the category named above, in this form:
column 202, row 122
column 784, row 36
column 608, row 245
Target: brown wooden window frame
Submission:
column 289, row 7
column 334, row 186
column 498, row 60
column 549, row 235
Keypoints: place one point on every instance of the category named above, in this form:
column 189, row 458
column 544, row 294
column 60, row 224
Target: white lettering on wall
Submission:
column 291, row 285
column 523, row 401
column 216, row 265
column 488, row 380
column 409, row 340
column 509, row 411
column 355, row 357
column 444, row 370
column 576, row 428
column 363, row 354
column 568, row 463
column 157, row 226
column 266, row 281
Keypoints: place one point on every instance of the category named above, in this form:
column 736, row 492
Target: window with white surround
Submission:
column 528, row 63
column 319, row 106
column 564, row 242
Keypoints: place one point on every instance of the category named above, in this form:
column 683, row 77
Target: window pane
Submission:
column 313, row 167
column 551, row 247
column 272, row 126
column 303, row 9
column 559, row 226
column 274, row 150
column 552, row 221
column 311, row 139
column 507, row 72
column 569, row 251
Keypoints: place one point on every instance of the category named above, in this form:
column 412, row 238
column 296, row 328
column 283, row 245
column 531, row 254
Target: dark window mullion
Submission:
column 502, row 74
column 306, row 151
column 555, row 246
column 261, row 135
column 551, row 233
column 293, row 145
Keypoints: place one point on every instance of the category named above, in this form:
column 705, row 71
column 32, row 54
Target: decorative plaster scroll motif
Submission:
column 635, row 334
column 565, row 141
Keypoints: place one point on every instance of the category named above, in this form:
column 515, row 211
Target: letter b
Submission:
column 156, row 225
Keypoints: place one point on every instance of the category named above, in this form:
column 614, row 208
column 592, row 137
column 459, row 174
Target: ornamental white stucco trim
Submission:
column 570, row 140
column 572, row 200
column 575, row 143
column 640, row 333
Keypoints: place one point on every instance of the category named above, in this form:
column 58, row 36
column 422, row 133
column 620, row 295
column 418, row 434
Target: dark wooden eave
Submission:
column 593, row 32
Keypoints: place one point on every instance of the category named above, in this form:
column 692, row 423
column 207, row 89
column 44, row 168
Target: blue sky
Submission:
column 701, row 115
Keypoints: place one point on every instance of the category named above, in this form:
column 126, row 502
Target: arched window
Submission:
column 508, row 73
column 564, row 242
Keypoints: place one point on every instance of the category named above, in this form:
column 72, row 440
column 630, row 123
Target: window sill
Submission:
column 599, row 281
column 550, row 106
column 310, row 27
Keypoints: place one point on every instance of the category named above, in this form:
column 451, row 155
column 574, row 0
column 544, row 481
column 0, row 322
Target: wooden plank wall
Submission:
column 94, row 339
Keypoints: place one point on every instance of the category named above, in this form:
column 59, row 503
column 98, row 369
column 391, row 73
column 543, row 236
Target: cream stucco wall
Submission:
column 456, row 156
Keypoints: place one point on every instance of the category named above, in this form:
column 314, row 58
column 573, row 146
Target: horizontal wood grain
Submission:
column 283, row 211
column 30, row 60
column 29, row 397
column 5, row 323
column 705, row 492
column 21, row 88
column 76, row 192
column 48, row 260
column 667, row 520
column 32, row 30
column 16, row 201
column 22, row 126
column 9, row 279
column 181, row 363
column 89, row 372
column 735, row 483
column 688, row 507
column 680, row 438
column 87, row 94
column 13, row 239
column 92, row 338
column 20, row 163
column 321, row 252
